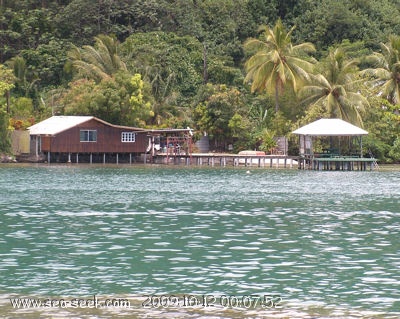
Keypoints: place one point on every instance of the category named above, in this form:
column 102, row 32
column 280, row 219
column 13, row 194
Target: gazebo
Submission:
column 336, row 156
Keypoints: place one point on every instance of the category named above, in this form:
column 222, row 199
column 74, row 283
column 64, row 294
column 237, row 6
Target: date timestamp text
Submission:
column 226, row 301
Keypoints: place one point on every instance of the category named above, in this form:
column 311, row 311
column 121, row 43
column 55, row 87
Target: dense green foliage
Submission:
column 243, row 71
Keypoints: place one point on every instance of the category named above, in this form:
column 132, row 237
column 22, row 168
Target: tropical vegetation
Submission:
column 277, row 62
column 241, row 71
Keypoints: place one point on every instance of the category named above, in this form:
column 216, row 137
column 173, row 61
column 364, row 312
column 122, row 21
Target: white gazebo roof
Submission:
column 330, row 127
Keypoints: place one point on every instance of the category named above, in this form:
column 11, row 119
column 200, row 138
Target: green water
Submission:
column 326, row 243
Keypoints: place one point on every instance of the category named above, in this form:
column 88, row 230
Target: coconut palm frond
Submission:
column 99, row 61
column 277, row 62
column 386, row 74
column 302, row 48
column 335, row 88
column 312, row 94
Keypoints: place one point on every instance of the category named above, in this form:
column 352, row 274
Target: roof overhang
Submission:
column 169, row 131
column 57, row 124
column 330, row 127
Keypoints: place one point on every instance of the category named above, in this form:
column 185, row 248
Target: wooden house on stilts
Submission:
column 86, row 138
column 91, row 140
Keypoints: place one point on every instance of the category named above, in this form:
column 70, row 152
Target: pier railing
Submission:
column 215, row 159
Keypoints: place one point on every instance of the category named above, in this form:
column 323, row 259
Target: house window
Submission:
column 128, row 137
column 88, row 136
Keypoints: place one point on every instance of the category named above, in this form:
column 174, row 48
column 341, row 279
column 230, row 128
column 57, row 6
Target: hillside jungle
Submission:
column 241, row 71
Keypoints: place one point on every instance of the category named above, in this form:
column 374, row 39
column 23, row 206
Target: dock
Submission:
column 337, row 163
column 223, row 160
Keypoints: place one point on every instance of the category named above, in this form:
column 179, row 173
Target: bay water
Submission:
column 323, row 244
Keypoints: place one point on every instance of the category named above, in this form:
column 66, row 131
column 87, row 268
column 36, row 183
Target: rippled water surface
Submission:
column 327, row 243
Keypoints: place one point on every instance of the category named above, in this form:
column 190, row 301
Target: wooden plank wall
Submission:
column 108, row 140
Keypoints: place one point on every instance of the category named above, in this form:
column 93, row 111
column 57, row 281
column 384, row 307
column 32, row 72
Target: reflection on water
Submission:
column 326, row 242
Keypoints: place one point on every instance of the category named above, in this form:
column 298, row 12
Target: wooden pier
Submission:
column 223, row 160
column 337, row 163
column 343, row 163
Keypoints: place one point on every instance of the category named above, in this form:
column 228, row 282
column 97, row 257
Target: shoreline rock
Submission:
column 5, row 158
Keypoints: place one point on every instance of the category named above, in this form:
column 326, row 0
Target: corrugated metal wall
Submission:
column 20, row 142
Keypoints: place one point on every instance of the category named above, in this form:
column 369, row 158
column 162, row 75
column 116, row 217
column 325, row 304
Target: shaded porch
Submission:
column 332, row 144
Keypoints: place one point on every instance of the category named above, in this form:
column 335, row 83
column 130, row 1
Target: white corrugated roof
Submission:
column 57, row 124
column 330, row 127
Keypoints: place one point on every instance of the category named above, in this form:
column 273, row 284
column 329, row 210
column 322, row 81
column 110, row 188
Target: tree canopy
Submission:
column 204, row 64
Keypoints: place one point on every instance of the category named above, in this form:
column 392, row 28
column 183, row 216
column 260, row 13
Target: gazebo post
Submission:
column 361, row 147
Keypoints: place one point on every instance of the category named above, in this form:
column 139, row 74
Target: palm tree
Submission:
column 277, row 62
column 335, row 89
column 21, row 72
column 386, row 71
column 97, row 62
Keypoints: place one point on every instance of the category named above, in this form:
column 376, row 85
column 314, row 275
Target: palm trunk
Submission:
column 276, row 97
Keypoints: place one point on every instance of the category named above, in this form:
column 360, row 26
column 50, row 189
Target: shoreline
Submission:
column 14, row 163
column 7, row 158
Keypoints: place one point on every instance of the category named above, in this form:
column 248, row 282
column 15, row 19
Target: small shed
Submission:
column 342, row 145
column 20, row 142
column 68, row 138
